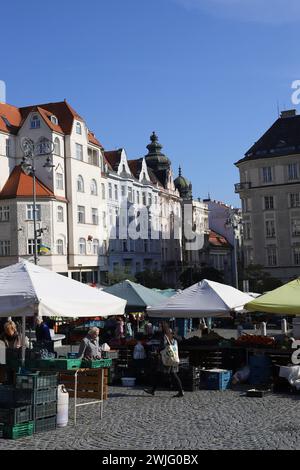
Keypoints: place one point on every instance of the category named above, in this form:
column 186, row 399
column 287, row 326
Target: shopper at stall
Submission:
column 89, row 347
column 159, row 368
column 43, row 335
column 11, row 337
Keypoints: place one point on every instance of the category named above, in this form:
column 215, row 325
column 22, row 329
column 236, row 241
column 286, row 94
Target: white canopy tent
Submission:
column 28, row 290
column 203, row 299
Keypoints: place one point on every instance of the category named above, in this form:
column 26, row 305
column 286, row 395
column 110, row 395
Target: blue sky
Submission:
column 206, row 75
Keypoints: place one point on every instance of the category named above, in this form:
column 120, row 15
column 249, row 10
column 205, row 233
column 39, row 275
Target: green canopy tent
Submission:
column 284, row 300
column 138, row 297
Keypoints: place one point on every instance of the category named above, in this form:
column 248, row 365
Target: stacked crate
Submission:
column 190, row 377
column 43, row 388
column 15, row 412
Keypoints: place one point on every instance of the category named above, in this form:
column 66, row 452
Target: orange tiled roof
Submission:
column 20, row 185
column 216, row 239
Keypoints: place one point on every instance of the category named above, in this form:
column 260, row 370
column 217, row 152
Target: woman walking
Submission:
column 167, row 338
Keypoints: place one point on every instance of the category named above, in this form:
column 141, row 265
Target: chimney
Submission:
column 288, row 114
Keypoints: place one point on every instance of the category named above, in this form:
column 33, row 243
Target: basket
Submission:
column 45, row 424
column 19, row 430
column 16, row 415
column 96, row 363
column 128, row 381
column 38, row 380
column 44, row 410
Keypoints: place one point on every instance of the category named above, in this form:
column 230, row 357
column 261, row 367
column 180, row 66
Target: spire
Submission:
column 155, row 158
column 179, row 171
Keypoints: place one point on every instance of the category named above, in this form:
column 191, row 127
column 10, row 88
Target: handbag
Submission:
column 169, row 355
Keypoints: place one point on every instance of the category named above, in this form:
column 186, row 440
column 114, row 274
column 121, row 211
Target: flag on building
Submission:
column 45, row 249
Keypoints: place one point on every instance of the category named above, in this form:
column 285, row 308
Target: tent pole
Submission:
column 23, row 339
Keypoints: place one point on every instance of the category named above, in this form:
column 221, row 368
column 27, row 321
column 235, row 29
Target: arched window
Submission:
column 56, row 146
column 78, row 128
column 95, row 246
column 103, row 190
column 80, row 184
column 60, row 214
column 82, row 246
column 60, row 246
column 35, row 122
column 54, row 119
column 94, row 189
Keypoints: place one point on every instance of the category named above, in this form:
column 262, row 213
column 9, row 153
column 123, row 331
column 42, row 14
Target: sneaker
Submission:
column 150, row 392
column 179, row 394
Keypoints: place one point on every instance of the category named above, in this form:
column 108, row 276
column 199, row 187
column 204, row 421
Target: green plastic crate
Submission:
column 19, row 430
column 96, row 363
column 59, row 364
column 12, row 416
column 36, row 381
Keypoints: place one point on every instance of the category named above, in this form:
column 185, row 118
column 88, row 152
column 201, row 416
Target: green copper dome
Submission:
column 183, row 185
column 155, row 158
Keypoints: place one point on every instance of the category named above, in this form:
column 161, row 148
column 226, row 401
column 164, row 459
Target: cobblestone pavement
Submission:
column 200, row 420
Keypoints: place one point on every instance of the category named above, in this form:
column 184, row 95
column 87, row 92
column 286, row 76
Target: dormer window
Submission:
column 78, row 128
column 54, row 119
column 35, row 122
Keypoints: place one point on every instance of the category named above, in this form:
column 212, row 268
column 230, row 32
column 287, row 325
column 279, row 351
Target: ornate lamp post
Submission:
column 31, row 150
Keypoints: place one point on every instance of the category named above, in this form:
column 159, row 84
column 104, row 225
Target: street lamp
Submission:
column 233, row 222
column 43, row 147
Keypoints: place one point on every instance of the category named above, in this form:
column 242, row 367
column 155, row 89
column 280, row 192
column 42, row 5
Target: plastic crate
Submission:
column 44, row 410
column 45, row 424
column 20, row 414
column 12, row 397
column 1, row 430
column 19, row 430
column 110, row 354
column 44, row 396
column 96, row 364
column 59, row 364
column 217, row 379
column 38, row 380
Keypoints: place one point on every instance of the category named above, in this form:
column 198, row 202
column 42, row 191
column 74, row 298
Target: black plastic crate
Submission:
column 36, row 381
column 45, row 424
column 1, row 430
column 12, row 397
column 44, row 410
column 20, row 414
column 44, row 396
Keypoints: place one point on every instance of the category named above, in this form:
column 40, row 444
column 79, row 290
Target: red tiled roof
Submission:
column 216, row 239
column 113, row 157
column 62, row 110
column 20, row 185
column 135, row 167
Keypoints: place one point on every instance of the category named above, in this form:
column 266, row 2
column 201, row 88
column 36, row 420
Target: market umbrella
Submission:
column 136, row 295
column 28, row 290
column 203, row 299
column 284, row 300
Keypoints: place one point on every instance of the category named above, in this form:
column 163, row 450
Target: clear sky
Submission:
column 206, row 75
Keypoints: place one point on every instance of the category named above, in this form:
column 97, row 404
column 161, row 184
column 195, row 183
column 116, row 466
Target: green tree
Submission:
column 192, row 275
column 151, row 279
column 259, row 280
column 119, row 275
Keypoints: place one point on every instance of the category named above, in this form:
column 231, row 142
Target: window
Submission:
column 30, row 246
column 293, row 173
column 123, row 191
column 79, row 152
column 116, row 192
column 7, row 147
column 269, row 203
column 103, row 190
column 60, row 214
column 95, row 220
column 144, row 199
column 104, row 219
column 35, row 122
column 149, row 199
column 60, row 246
column 4, row 247
column 81, row 214
column 82, row 246
column 80, row 184
column 295, row 200
column 4, row 213
column 29, row 212
column 295, row 227
column 59, row 181
column 56, row 146
column 109, row 190
column 54, row 119
column 125, row 249
column 271, row 256
column 95, row 246
column 248, row 250
column 78, row 128
column 94, row 189
column 267, row 174
column 111, row 217
column 270, row 228
column 296, row 255
column 93, row 156
column 137, row 197
column 130, row 194
column 247, row 228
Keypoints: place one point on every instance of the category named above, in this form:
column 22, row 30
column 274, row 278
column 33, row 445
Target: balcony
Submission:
column 242, row 187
